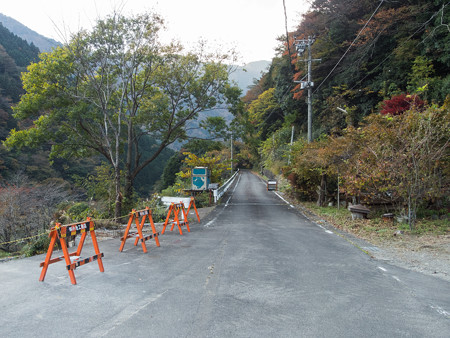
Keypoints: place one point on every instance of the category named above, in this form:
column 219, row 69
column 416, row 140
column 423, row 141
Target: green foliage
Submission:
column 302, row 173
column 144, row 183
column 79, row 211
column 159, row 210
column 170, row 170
column 216, row 126
column 376, row 227
column 36, row 246
column 21, row 51
column 214, row 162
column 99, row 185
column 177, row 189
column 275, row 150
column 421, row 73
column 202, row 200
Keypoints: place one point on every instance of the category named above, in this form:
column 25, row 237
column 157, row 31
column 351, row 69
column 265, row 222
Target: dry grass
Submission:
column 376, row 229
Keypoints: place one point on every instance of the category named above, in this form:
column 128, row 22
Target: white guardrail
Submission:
column 218, row 193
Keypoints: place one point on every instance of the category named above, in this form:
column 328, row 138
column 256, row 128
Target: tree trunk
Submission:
column 128, row 193
column 322, row 191
column 118, row 201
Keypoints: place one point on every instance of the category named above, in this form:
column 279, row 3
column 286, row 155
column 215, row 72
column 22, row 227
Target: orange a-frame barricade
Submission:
column 192, row 204
column 73, row 260
column 175, row 209
column 134, row 215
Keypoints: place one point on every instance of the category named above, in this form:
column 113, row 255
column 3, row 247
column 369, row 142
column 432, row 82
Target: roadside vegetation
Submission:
column 375, row 227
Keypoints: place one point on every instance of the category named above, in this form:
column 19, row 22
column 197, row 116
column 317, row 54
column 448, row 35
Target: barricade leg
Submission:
column 80, row 245
column 53, row 237
column 192, row 204
column 68, row 261
column 125, row 235
column 140, row 234
column 167, row 219
column 155, row 234
column 176, row 221
column 141, row 225
column 97, row 251
column 186, row 221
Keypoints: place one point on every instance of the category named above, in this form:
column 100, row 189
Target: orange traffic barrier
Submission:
column 175, row 209
column 192, row 204
column 73, row 260
column 134, row 215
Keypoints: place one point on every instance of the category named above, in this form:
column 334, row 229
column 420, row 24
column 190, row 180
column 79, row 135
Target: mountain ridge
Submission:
column 43, row 43
column 246, row 75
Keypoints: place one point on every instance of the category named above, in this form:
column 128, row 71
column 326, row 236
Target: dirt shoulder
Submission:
column 429, row 254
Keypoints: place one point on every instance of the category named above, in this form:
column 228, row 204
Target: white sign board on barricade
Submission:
column 168, row 200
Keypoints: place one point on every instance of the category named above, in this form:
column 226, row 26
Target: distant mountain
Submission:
column 244, row 76
column 44, row 44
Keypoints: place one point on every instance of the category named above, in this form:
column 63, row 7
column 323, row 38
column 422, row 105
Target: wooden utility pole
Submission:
column 301, row 46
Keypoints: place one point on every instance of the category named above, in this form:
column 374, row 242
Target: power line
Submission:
column 401, row 44
column 351, row 45
column 287, row 34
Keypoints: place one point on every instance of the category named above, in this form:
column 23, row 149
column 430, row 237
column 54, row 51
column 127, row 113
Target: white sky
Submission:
column 251, row 26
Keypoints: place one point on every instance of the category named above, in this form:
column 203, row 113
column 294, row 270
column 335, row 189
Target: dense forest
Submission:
column 380, row 116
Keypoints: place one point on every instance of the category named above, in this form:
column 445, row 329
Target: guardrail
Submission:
column 218, row 193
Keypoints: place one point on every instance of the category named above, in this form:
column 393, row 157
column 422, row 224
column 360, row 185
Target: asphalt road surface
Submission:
column 255, row 267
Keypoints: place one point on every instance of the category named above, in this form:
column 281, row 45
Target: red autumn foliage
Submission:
column 398, row 104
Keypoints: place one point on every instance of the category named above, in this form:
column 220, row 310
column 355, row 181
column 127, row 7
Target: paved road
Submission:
column 255, row 267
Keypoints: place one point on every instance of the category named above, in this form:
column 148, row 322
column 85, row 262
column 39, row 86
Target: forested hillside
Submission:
column 15, row 55
column 381, row 74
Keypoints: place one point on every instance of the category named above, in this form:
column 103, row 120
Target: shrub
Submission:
column 400, row 103
column 37, row 246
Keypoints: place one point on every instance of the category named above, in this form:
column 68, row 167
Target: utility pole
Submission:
column 290, row 146
column 301, row 46
column 231, row 154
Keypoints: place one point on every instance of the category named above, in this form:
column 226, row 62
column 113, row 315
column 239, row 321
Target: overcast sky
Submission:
column 251, row 26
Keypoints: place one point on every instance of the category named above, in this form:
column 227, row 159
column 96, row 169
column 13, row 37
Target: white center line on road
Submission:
column 207, row 225
column 234, row 189
column 382, row 269
column 210, row 222
column 441, row 311
column 237, row 183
